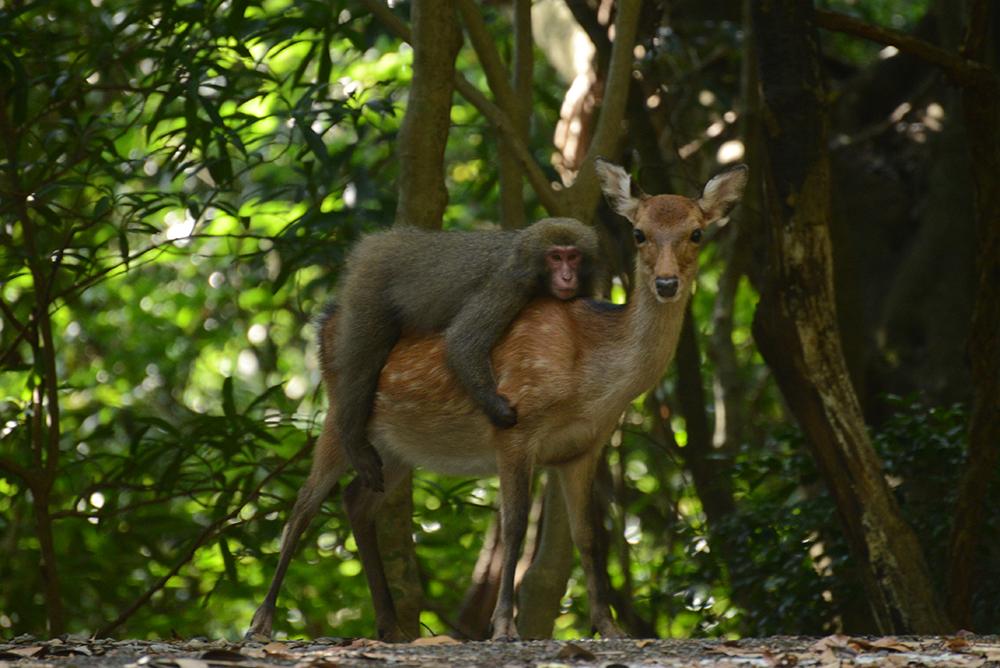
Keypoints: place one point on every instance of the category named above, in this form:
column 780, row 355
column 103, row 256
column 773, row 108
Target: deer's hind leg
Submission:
column 328, row 465
column 515, row 469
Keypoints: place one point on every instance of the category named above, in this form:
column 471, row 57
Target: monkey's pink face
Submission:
column 564, row 264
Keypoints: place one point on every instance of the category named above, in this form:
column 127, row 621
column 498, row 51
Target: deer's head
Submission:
column 669, row 228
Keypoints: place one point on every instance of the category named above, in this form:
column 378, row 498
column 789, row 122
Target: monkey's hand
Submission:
column 368, row 464
column 501, row 413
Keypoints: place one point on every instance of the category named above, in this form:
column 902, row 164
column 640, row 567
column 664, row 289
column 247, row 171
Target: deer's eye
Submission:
column 696, row 236
column 640, row 236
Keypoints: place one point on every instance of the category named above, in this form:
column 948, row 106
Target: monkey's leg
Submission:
column 469, row 340
column 515, row 502
column 361, row 503
column 328, row 465
column 576, row 478
column 366, row 335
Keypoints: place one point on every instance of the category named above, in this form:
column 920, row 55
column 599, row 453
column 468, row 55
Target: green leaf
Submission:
column 123, row 247
column 313, row 140
column 228, row 560
column 228, row 402
column 265, row 396
column 19, row 86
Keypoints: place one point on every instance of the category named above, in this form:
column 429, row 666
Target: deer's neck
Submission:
column 646, row 340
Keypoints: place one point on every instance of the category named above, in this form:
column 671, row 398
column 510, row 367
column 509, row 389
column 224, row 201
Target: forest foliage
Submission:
column 179, row 184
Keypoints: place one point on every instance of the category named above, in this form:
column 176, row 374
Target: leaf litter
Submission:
column 834, row 651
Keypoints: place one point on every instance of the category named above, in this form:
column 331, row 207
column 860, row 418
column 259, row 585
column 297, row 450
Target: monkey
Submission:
column 469, row 285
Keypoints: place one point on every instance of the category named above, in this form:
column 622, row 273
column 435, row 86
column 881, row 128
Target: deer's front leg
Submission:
column 577, row 481
column 515, row 502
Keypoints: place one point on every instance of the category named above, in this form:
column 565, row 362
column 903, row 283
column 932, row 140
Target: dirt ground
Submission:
column 840, row 651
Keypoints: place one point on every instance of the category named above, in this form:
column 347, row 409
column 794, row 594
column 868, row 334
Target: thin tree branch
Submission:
column 974, row 44
column 585, row 192
column 21, row 472
column 22, row 333
column 206, row 534
column 961, row 70
column 102, row 514
column 498, row 79
column 523, row 55
column 553, row 201
column 489, row 57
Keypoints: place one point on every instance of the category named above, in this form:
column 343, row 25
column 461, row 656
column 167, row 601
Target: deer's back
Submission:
column 424, row 416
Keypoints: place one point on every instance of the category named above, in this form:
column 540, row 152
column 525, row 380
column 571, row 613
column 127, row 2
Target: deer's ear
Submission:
column 623, row 195
column 722, row 193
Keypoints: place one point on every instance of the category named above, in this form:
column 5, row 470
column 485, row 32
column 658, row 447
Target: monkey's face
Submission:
column 563, row 264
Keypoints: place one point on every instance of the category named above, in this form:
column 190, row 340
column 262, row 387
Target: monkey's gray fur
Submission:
column 470, row 285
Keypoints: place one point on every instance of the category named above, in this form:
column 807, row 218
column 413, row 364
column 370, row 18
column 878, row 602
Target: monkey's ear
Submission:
column 623, row 196
column 722, row 193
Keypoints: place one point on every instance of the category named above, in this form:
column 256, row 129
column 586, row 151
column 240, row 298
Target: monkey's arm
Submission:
column 471, row 335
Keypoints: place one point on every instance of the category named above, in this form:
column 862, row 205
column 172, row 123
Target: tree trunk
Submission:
column 981, row 107
column 796, row 328
column 473, row 619
column 394, row 529
column 512, row 214
column 710, row 470
column 544, row 582
column 424, row 133
column 422, row 200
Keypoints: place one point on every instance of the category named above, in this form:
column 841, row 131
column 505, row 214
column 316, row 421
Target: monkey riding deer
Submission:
column 469, row 285
column 571, row 368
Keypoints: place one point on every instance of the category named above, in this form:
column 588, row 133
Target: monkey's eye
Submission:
column 696, row 236
column 640, row 236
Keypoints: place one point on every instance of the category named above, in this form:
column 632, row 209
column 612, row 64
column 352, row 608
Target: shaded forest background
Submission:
column 180, row 182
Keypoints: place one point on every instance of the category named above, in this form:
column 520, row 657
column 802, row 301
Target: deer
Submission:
column 570, row 368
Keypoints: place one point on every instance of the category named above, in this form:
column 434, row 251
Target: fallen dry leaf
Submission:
column 278, row 649
column 364, row 642
column 891, row 643
column 26, row 652
column 787, row 660
column 275, row 648
column 215, row 655
column 183, row 662
column 318, row 662
column 435, row 640
column 571, row 651
column 828, row 657
column 642, row 644
column 835, row 641
column 733, row 650
column 990, row 652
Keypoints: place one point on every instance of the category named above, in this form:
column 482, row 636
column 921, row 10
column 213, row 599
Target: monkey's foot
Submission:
column 501, row 413
column 368, row 464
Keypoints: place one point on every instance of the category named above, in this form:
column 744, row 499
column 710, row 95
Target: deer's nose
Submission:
column 667, row 287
